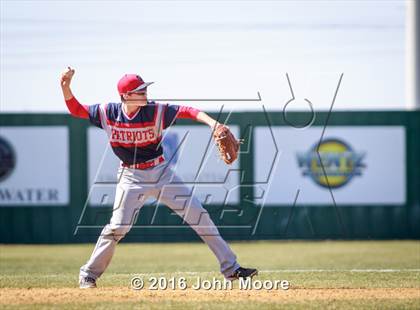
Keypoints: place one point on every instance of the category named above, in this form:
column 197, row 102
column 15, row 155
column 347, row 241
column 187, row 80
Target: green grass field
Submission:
column 332, row 275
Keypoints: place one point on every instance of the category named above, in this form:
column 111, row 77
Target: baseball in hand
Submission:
column 66, row 77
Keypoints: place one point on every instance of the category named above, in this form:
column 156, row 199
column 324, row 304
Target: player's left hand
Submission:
column 227, row 144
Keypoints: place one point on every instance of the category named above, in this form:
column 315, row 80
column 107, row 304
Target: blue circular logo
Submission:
column 7, row 159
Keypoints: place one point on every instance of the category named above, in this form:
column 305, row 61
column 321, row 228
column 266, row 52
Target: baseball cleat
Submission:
column 243, row 273
column 87, row 282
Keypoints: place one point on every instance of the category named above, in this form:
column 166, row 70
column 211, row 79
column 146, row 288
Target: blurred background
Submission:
column 209, row 49
column 57, row 175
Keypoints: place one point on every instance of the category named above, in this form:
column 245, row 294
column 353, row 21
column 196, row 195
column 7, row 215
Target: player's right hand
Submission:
column 66, row 77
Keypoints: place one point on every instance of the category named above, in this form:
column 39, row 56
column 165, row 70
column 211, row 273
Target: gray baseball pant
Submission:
column 133, row 189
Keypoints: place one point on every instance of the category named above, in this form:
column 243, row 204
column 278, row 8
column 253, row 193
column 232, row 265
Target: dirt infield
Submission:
column 16, row 296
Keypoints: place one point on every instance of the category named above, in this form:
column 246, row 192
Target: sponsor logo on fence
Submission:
column 7, row 159
column 332, row 163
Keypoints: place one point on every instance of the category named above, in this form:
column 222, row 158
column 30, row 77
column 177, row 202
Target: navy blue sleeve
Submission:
column 95, row 115
column 169, row 118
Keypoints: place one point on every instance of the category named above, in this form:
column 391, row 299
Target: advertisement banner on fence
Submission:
column 190, row 151
column 34, row 166
column 351, row 165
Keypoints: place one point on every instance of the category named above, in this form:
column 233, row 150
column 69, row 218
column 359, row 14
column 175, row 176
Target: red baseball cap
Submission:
column 131, row 83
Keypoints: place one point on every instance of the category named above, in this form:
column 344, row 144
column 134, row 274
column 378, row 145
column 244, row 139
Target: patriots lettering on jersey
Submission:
column 135, row 136
column 134, row 139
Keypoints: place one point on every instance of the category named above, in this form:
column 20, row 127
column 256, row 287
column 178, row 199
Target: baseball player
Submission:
column 134, row 129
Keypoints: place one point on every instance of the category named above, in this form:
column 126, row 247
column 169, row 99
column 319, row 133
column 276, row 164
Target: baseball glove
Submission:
column 227, row 144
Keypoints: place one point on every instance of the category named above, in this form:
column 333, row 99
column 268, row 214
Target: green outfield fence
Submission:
column 53, row 224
